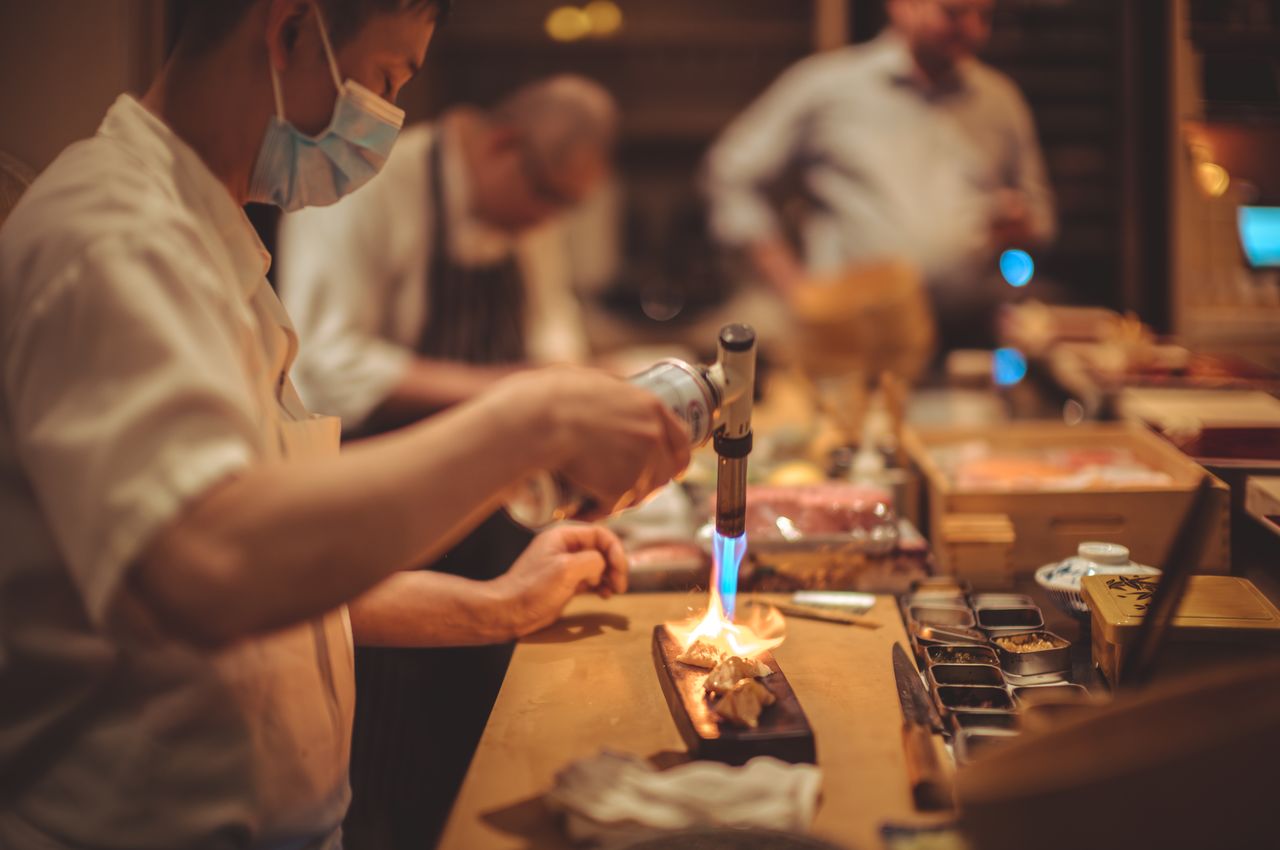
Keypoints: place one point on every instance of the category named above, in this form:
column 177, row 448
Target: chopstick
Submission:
column 1171, row 587
column 828, row 615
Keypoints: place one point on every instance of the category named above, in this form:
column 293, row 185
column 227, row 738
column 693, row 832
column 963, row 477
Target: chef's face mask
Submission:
column 295, row 170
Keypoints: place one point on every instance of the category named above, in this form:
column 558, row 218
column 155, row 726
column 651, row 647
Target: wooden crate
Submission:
column 1049, row 524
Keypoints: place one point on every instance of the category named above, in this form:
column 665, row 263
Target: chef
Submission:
column 448, row 271
column 187, row 560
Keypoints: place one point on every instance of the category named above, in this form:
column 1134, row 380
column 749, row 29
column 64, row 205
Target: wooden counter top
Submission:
column 589, row 683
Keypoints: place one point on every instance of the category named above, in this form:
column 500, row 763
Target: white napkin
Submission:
column 614, row 794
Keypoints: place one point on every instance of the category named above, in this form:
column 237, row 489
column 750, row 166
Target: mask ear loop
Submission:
column 328, row 48
column 276, row 88
column 279, row 93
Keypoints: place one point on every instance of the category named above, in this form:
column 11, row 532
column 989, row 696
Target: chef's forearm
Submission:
column 282, row 543
column 425, row 608
column 429, row 386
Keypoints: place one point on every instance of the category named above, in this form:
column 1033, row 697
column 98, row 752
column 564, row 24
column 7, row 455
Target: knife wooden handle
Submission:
column 930, row 779
column 827, row 614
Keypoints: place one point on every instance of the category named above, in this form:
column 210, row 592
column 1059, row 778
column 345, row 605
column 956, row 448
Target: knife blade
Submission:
column 916, row 705
column 930, row 780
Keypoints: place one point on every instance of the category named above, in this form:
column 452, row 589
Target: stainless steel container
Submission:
column 970, row 743
column 965, row 674
column 995, row 621
column 940, row 615
column 1001, row 600
column 973, row 698
column 1031, row 662
column 1033, row 694
column 947, row 597
column 961, row 719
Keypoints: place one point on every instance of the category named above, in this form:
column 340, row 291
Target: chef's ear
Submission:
column 285, row 19
column 505, row 138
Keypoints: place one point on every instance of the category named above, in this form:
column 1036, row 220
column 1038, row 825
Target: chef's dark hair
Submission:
column 198, row 25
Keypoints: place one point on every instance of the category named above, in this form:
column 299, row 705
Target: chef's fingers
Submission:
column 584, row 569
column 609, row 545
column 617, row 566
column 678, row 451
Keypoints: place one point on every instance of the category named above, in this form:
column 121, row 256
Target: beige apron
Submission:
column 302, row 753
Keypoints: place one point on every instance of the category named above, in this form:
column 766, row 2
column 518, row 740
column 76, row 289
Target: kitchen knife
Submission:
column 930, row 779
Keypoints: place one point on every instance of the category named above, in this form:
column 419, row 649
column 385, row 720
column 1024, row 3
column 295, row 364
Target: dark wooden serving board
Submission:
column 783, row 733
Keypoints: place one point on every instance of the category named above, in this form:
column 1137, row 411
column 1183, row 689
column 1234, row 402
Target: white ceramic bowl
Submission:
column 1061, row 580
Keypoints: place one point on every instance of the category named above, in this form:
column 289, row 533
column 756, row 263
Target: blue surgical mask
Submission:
column 295, row 170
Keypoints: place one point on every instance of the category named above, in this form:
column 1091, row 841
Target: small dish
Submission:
column 1062, row 579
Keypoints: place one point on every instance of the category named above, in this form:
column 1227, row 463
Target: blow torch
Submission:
column 735, row 372
column 714, row 402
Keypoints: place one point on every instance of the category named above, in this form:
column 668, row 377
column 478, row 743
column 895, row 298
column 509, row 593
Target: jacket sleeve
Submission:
column 340, row 272
column 753, row 152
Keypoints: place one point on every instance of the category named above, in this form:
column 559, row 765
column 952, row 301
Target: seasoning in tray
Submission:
column 961, row 655
column 742, row 704
column 733, row 670
column 975, row 697
column 1031, row 642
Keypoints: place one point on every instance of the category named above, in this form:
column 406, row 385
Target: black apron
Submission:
column 420, row 712
column 474, row 314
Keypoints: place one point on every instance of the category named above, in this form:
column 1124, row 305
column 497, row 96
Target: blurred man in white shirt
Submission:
column 908, row 149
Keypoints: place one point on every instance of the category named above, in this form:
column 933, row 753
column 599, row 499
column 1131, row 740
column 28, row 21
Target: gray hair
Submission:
column 557, row 114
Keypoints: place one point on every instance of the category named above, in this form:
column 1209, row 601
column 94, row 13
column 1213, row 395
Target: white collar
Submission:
column 161, row 150
column 894, row 56
column 472, row 242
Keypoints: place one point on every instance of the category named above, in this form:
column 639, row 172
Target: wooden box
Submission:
column 1222, row 619
column 1049, row 524
column 978, row 548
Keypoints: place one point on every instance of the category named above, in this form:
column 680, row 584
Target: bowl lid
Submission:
column 1065, row 575
column 1112, row 554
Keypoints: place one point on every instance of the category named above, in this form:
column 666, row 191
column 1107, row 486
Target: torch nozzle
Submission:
column 731, row 496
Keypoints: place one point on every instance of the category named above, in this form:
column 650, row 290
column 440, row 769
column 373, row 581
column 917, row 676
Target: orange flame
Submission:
column 759, row 628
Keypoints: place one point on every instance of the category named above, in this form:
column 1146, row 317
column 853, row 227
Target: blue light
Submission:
column 1008, row 367
column 727, row 554
column 1260, row 235
column 1017, row 267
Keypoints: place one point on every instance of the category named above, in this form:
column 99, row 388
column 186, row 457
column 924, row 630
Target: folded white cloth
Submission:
column 614, row 794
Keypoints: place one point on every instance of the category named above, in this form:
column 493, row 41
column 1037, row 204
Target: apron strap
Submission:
column 474, row 314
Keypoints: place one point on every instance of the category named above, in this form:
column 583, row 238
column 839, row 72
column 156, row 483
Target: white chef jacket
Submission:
column 354, row 277
column 145, row 358
column 895, row 170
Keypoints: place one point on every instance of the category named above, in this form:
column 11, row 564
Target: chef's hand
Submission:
column 1010, row 221
column 614, row 441
column 559, row 564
